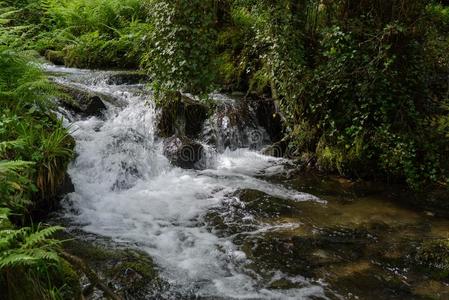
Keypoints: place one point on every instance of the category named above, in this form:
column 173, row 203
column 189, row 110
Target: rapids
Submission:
column 127, row 190
column 240, row 227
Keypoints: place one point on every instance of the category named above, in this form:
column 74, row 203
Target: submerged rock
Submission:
column 433, row 256
column 183, row 152
column 263, row 205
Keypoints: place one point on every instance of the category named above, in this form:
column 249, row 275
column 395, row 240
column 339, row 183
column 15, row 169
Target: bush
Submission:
column 34, row 152
column 181, row 49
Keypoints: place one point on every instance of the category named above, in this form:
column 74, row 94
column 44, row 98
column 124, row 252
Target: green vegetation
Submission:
column 82, row 33
column 362, row 85
column 34, row 152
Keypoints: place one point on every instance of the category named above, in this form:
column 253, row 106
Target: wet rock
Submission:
column 130, row 273
column 95, row 107
column 263, row 205
column 433, row 256
column 278, row 149
column 127, row 78
column 82, row 102
column 56, row 57
column 183, row 152
column 269, row 117
column 181, row 115
column 66, row 186
column 234, row 125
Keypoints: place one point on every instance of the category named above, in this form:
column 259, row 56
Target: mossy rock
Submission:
column 433, row 256
column 56, row 57
column 131, row 273
column 71, row 280
column 83, row 102
column 181, row 115
column 128, row 78
column 264, row 205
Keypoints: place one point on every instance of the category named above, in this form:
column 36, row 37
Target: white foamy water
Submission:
column 128, row 191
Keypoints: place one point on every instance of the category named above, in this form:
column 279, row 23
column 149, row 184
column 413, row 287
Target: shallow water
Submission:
column 241, row 229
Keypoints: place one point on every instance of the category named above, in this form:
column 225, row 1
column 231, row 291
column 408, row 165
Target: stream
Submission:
column 242, row 227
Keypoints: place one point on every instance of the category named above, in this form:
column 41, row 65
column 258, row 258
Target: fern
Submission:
column 7, row 166
column 6, row 145
column 25, row 246
column 40, row 236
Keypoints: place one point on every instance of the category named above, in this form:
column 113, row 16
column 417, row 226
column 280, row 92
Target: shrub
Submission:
column 180, row 50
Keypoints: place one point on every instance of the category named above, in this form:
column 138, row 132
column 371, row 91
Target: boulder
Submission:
column 268, row 117
column 127, row 78
column 82, row 102
column 181, row 115
column 56, row 57
column 95, row 107
column 183, row 152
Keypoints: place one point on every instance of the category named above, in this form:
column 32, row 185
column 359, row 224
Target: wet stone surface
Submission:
column 362, row 247
column 130, row 273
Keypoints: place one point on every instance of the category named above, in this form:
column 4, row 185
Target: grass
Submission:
column 35, row 149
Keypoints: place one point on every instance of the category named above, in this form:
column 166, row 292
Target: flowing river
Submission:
column 240, row 228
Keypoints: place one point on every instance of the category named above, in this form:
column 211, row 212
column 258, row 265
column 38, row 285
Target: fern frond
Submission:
column 7, row 145
column 40, row 236
column 41, row 254
column 9, row 166
column 15, row 259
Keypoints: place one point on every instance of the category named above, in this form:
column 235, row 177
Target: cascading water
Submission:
column 127, row 190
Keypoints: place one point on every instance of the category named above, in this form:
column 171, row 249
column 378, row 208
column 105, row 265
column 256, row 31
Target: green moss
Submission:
column 72, row 287
column 433, row 256
column 131, row 272
column 56, row 57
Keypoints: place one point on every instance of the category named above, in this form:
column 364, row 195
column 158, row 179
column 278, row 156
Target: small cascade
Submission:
column 127, row 190
column 234, row 125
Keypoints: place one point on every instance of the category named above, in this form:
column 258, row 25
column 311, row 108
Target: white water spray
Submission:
column 128, row 191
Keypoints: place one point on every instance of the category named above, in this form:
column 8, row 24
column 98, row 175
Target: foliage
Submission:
column 28, row 132
column 100, row 33
column 28, row 259
column 34, row 151
column 362, row 85
column 181, row 49
column 366, row 80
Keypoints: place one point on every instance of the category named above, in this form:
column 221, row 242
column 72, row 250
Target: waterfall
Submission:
column 125, row 189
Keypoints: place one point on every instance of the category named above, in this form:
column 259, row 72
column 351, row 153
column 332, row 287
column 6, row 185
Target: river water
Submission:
column 239, row 229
